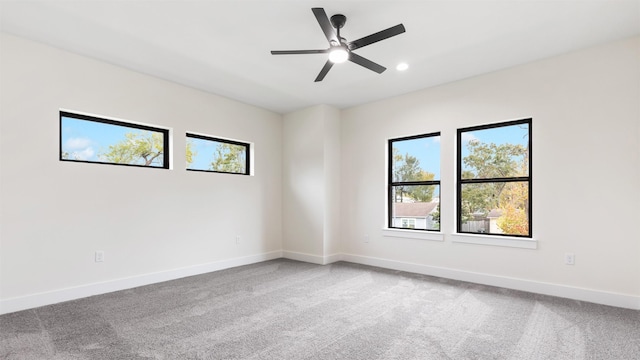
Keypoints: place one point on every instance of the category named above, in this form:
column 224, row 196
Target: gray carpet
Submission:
column 285, row 309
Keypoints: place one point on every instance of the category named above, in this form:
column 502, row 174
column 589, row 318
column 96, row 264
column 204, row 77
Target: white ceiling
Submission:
column 223, row 46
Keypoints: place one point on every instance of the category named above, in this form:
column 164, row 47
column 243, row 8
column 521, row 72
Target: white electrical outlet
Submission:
column 237, row 239
column 366, row 238
column 99, row 256
column 569, row 258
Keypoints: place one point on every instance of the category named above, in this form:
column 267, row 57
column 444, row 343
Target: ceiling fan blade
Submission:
column 380, row 35
column 325, row 24
column 298, row 52
column 325, row 69
column 355, row 58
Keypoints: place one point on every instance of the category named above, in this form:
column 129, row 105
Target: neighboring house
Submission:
column 414, row 215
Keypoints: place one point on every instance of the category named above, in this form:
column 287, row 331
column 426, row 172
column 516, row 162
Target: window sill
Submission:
column 516, row 242
column 413, row 234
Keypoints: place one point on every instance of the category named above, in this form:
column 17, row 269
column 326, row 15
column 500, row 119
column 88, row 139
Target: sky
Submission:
column 87, row 140
column 84, row 139
column 514, row 134
column 426, row 150
column 204, row 153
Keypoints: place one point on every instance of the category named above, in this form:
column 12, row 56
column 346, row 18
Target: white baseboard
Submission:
column 329, row 259
column 310, row 258
column 72, row 293
column 56, row 296
column 594, row 296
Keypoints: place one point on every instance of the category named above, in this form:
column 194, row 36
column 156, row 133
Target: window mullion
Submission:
column 415, row 183
column 492, row 180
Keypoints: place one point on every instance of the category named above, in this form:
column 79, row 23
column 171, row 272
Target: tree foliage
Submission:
column 435, row 216
column 422, row 193
column 493, row 161
column 138, row 148
column 488, row 160
column 190, row 153
column 514, row 205
column 229, row 158
column 407, row 168
column 478, row 199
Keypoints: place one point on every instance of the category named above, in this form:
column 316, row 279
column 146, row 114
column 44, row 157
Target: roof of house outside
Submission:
column 415, row 209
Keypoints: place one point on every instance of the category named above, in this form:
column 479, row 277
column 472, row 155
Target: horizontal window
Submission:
column 212, row 154
column 96, row 140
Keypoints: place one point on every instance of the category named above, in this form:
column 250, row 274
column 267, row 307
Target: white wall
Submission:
column 55, row 215
column 586, row 177
column 332, row 154
column 303, row 182
column 311, row 184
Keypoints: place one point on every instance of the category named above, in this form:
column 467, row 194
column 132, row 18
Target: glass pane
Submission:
column 496, row 152
column 416, row 159
column 415, row 207
column 216, row 155
column 93, row 141
column 495, row 208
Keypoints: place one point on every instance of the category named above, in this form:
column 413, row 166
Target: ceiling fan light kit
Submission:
column 338, row 55
column 340, row 50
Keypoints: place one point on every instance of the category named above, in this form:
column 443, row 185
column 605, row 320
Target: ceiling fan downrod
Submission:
column 338, row 21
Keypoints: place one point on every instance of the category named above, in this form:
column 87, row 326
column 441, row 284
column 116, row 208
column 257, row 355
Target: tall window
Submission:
column 494, row 179
column 206, row 153
column 95, row 140
column 414, row 182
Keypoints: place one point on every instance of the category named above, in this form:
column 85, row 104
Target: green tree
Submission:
column 229, row 158
column 436, row 216
column 493, row 161
column 478, row 199
column 407, row 168
column 138, row 148
column 488, row 160
column 422, row 193
column 190, row 152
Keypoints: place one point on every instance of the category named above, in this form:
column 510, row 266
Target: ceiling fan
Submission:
column 340, row 50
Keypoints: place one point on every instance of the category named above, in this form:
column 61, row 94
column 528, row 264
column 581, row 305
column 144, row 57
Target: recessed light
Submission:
column 402, row 67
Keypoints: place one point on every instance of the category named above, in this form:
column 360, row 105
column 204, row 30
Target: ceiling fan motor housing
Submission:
column 338, row 21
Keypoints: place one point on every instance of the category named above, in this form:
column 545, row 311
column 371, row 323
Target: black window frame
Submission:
column 391, row 183
column 247, row 147
column 460, row 181
column 164, row 132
